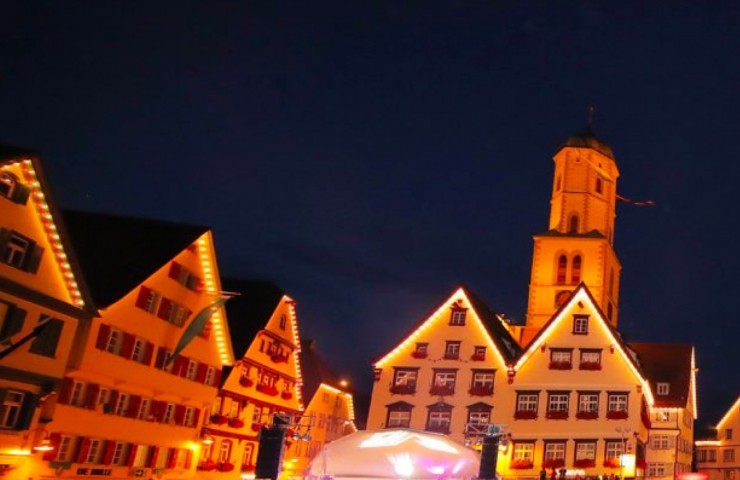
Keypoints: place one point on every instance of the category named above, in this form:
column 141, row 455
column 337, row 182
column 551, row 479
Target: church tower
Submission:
column 578, row 246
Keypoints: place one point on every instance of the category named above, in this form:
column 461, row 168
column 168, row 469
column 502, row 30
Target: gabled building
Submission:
column 44, row 306
column 329, row 412
column 719, row 455
column 129, row 406
column 448, row 372
column 265, row 381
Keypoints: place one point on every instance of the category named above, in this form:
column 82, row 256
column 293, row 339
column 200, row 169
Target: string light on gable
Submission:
column 347, row 396
column 211, row 288
column 296, row 350
column 52, row 233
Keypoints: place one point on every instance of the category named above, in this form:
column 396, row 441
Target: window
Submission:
column 210, row 376
column 12, row 320
column 523, row 451
column 438, row 418
column 138, row 352
column 561, row 270
column 479, row 353
column 168, row 413
column 8, row 183
column 599, row 185
column 122, row 404
column 457, row 316
column 561, row 358
column 452, row 350
column 257, row 415
column 148, row 300
column 575, row 271
column 399, row 415
column 189, row 417
column 590, row 359
column 283, row 321
column 64, row 449
column 119, row 454
column 404, row 380
column 573, row 224
column 526, row 402
column 580, row 324
column 115, row 341
column 94, row 452
column 479, row 417
column 483, row 379
column 728, row 434
column 224, row 453
column 662, row 416
column 557, row 404
column 728, row 455
column 614, row 449
column 185, row 277
column 45, row 343
column 11, row 409
column 143, row 412
column 19, row 251
column 617, row 405
column 422, row 350
column 76, row 397
column 588, row 405
column 554, row 454
column 585, row 451
column 663, row 388
column 660, row 442
column 192, row 370
column 247, row 457
column 656, row 469
column 234, row 409
column 103, row 397
column 444, row 378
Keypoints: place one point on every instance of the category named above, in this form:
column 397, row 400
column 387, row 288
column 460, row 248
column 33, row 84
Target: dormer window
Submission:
column 580, row 324
column 7, row 184
column 421, row 350
column 457, row 317
column 663, row 388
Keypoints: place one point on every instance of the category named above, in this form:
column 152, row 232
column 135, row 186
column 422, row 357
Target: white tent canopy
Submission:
column 394, row 453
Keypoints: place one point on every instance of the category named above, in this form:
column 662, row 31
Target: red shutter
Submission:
column 200, row 375
column 66, row 390
column 161, row 357
column 112, row 402
column 188, row 458
column 143, row 297
column 175, row 271
column 148, row 352
column 157, row 409
column 110, row 447
column 153, row 459
column 54, row 438
column 103, row 335
column 171, row 457
column 164, row 309
column 92, row 395
column 179, row 414
column 134, row 403
column 217, row 378
column 128, row 345
column 132, row 455
column 196, row 417
column 84, row 450
column 180, row 365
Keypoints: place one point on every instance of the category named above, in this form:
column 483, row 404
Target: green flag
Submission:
column 195, row 328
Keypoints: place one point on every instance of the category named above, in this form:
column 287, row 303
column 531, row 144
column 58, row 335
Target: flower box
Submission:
column 256, row 427
column 246, row 382
column 279, row 358
column 481, row 390
column 561, row 365
column 611, row 462
column 225, row 467
column 557, row 415
column 441, row 390
column 286, row 395
column 208, row 465
column 236, row 423
column 248, row 468
column 417, row 354
column 267, row 389
column 477, row 357
column 589, row 366
column 521, row 464
column 584, row 463
column 553, row 463
column 403, row 389
column 617, row 415
column 219, row 419
column 587, row 415
column 525, row 414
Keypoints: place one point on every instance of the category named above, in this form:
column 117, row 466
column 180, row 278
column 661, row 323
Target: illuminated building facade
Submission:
column 266, row 379
column 571, row 392
column 127, row 406
column 43, row 308
column 720, row 456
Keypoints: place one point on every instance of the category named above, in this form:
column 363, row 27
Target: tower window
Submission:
column 558, row 183
column 599, row 185
column 611, row 282
column 562, row 268
column 573, row 224
column 575, row 274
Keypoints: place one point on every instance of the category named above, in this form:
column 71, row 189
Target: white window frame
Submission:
column 618, row 402
column 138, row 351
column 94, row 451
column 405, row 378
column 561, row 356
column 13, row 402
column 16, row 250
column 580, row 324
column 523, row 451
column 399, row 418
column 115, row 341
column 614, row 449
column 557, row 402
column 441, row 418
column 77, row 394
column 169, row 412
column 144, row 406
column 588, row 402
column 527, row 402
column 188, row 417
column 483, row 379
column 224, row 451
column 663, row 388
column 480, row 417
column 122, row 404
column 458, row 317
column 192, row 370
column 554, row 451
column 585, row 450
column 117, row 457
column 64, row 449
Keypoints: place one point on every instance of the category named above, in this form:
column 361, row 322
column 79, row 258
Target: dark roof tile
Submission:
column 666, row 363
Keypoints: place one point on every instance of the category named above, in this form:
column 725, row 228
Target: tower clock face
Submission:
column 561, row 297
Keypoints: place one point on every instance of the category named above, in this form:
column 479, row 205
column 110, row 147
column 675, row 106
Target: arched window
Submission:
column 561, row 269
column 573, row 224
column 575, row 272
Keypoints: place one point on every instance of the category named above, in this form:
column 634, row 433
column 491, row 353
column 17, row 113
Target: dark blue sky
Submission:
column 369, row 156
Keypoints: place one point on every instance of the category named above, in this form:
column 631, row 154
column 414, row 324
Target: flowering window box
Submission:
column 236, row 423
column 219, row 419
column 481, row 390
column 246, row 382
column 557, row 415
column 403, row 389
column 286, row 395
column 521, row 464
column 441, row 390
column 553, row 463
column 478, row 357
column 279, row 358
column 589, row 366
column 525, row 414
column 584, row 463
column 417, row 354
column 256, row 427
column 617, row 415
column 208, row 466
column 267, row 389
column 248, row 468
column 225, row 467
column 561, row 365
column 587, row 415
column 611, row 462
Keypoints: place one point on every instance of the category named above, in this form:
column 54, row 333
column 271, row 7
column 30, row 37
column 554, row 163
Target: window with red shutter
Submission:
column 134, row 404
column 175, row 269
column 217, row 379
column 110, row 447
column 179, row 414
column 84, row 450
column 103, row 334
column 148, row 352
column 92, row 395
column 200, row 376
column 143, row 299
column 165, row 309
column 152, row 461
column 65, row 392
column 54, row 438
column 132, row 455
column 128, row 345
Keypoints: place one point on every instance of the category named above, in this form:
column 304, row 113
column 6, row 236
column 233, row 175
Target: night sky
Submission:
column 370, row 156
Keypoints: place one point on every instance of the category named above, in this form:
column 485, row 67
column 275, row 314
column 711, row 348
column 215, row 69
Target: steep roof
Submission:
column 492, row 322
column 315, row 371
column 666, row 363
column 117, row 253
column 588, row 139
column 249, row 311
